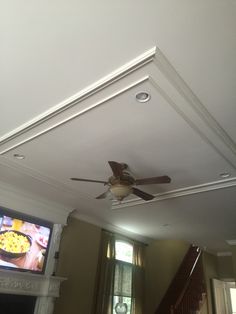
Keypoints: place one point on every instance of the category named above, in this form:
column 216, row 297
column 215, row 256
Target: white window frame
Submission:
column 119, row 261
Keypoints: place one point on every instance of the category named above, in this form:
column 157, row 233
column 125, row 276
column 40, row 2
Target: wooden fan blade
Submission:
column 145, row 196
column 153, row 180
column 116, row 168
column 88, row 180
column 103, row 195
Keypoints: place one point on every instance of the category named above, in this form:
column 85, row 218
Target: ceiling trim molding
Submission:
column 196, row 105
column 60, row 186
column 202, row 188
column 45, row 129
column 99, row 85
column 196, row 124
column 30, row 204
column 178, row 94
column 167, row 82
column 192, row 99
column 102, row 224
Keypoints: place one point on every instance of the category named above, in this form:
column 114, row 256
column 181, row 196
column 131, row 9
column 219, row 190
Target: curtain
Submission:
column 119, row 278
column 138, row 278
column 105, row 278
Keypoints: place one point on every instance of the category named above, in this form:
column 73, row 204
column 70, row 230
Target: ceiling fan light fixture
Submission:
column 143, row 97
column 120, row 191
column 121, row 183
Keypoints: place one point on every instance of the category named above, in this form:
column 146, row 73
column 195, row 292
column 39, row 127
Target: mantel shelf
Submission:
column 24, row 283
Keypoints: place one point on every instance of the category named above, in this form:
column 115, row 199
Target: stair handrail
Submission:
column 182, row 294
column 179, row 285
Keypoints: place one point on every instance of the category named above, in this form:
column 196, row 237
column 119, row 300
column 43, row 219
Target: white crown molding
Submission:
column 206, row 130
column 223, row 254
column 192, row 99
column 51, row 182
column 201, row 188
column 108, row 226
column 30, row 204
column 162, row 76
column 70, row 102
column 167, row 82
column 57, row 119
column 192, row 109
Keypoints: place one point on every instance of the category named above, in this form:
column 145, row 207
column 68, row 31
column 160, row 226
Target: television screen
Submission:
column 24, row 242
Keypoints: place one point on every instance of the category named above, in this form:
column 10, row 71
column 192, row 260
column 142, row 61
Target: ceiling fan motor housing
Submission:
column 125, row 179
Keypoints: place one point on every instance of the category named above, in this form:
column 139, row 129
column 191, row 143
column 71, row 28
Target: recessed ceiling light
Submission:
column 166, row 225
column 225, row 175
column 19, row 156
column 143, row 97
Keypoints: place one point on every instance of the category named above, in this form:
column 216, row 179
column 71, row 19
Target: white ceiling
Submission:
column 69, row 75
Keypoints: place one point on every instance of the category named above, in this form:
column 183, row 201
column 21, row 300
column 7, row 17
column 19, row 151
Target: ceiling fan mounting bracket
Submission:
column 124, row 166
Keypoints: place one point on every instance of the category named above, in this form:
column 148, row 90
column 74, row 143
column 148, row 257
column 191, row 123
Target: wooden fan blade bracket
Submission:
column 117, row 168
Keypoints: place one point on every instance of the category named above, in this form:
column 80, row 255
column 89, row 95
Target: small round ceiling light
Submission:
column 225, row 175
column 166, row 225
column 143, row 97
column 19, row 156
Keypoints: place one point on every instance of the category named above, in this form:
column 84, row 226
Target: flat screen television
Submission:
column 24, row 242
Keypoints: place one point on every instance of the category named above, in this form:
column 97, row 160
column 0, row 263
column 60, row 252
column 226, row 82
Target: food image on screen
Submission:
column 14, row 242
column 23, row 244
column 42, row 240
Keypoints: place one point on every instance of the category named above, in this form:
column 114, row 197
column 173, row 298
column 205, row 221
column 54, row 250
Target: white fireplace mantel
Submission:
column 13, row 282
column 45, row 288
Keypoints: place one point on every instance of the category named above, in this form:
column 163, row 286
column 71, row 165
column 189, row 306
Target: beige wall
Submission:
column 211, row 271
column 78, row 262
column 225, row 267
column 163, row 258
column 233, row 249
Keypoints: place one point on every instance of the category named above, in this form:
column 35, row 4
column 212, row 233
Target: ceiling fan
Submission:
column 121, row 183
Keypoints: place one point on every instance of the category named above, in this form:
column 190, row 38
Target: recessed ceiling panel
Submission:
column 152, row 138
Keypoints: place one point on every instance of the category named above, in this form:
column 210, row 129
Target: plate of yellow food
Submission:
column 14, row 243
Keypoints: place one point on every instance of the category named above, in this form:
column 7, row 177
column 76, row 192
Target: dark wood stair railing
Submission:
column 187, row 287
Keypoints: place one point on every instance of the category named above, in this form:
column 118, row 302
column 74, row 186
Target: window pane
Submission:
column 124, row 251
column 123, row 279
column 233, row 299
column 126, row 300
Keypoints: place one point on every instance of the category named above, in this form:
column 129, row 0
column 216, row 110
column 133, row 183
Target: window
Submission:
column 124, row 251
column 122, row 299
column 120, row 278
